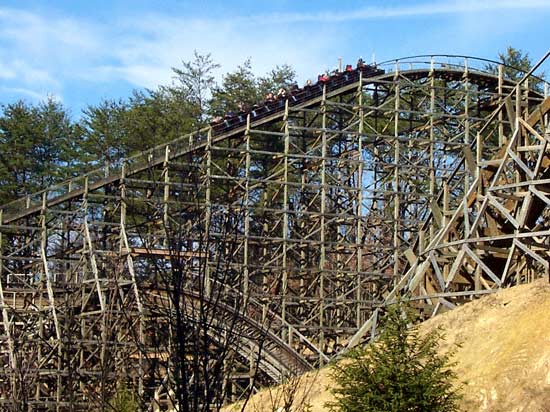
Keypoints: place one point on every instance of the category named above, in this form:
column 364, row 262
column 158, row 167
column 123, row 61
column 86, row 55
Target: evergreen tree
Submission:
column 516, row 63
column 45, row 146
column 281, row 76
column 402, row 371
column 37, row 147
column 238, row 88
column 242, row 87
column 114, row 130
column 156, row 117
column 105, row 138
column 193, row 85
column 123, row 400
column 61, row 140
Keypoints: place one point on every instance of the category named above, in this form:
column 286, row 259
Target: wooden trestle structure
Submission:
column 430, row 178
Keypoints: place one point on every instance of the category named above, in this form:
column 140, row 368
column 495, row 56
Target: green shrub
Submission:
column 401, row 371
column 124, row 400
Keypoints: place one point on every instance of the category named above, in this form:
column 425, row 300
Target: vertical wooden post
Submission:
column 124, row 248
column 46, row 273
column 378, row 187
column 286, row 232
column 208, row 213
column 445, row 203
column 5, row 316
column 247, row 205
column 500, row 101
column 520, row 137
column 396, row 189
column 431, row 187
column 359, row 206
column 166, row 194
column 322, row 259
column 51, row 297
column 467, row 119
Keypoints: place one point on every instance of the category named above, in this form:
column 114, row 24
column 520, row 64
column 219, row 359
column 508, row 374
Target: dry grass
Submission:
column 504, row 356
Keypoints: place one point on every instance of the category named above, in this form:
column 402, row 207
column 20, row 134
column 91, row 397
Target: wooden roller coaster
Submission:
column 424, row 177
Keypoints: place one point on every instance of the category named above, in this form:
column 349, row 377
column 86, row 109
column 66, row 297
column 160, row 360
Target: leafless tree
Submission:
column 199, row 331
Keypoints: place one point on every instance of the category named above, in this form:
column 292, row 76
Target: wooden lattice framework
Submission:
column 428, row 180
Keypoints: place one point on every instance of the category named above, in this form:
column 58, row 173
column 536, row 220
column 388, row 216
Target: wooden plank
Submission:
column 539, row 112
column 528, row 251
column 411, row 257
column 436, row 212
column 510, row 112
column 455, row 267
column 485, row 268
column 492, row 162
column 437, row 271
column 447, row 303
column 540, row 195
column 466, row 220
column 470, row 160
column 464, row 293
column 420, row 272
column 520, row 163
column 516, row 185
column 525, row 207
column 543, row 233
column 505, row 212
column 136, row 251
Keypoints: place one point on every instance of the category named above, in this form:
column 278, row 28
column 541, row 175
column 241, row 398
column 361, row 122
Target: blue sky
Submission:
column 83, row 51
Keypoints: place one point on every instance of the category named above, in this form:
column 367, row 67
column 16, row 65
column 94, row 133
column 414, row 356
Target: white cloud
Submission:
column 152, row 45
column 140, row 75
column 41, row 52
column 32, row 94
column 45, row 52
column 19, row 70
column 6, row 71
column 44, row 35
column 421, row 9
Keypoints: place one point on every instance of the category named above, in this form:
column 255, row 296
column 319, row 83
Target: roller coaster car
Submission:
column 230, row 122
column 369, row 70
column 272, row 105
column 323, row 78
column 216, row 120
column 217, row 128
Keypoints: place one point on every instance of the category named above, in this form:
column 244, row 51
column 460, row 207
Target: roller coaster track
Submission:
column 427, row 179
column 74, row 188
column 270, row 112
column 277, row 357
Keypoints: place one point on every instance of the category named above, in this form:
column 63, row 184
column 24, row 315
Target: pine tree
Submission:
column 36, row 147
column 516, row 63
column 402, row 371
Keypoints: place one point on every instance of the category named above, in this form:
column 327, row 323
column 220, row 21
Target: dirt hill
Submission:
column 504, row 356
